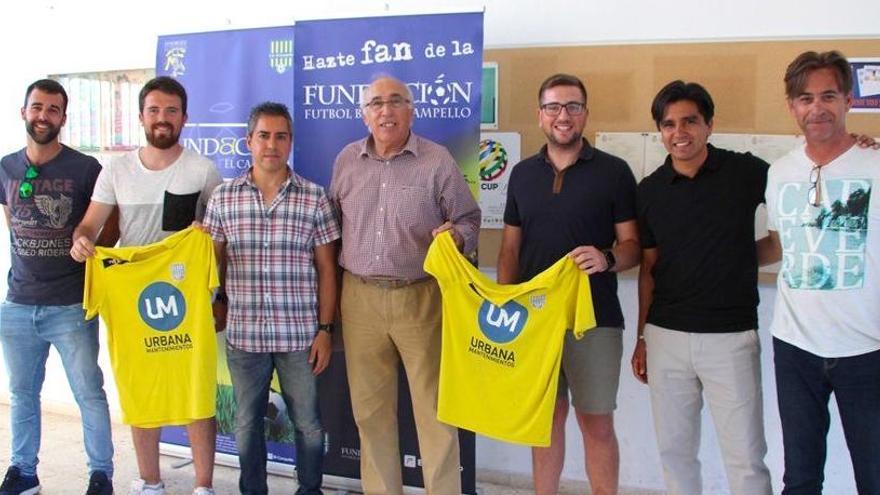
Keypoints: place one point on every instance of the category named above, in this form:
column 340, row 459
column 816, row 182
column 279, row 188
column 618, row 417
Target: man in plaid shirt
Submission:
column 274, row 235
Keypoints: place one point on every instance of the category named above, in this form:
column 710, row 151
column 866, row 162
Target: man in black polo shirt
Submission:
column 698, row 296
column 572, row 199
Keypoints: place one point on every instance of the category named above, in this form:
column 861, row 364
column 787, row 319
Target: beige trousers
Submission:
column 725, row 368
column 382, row 327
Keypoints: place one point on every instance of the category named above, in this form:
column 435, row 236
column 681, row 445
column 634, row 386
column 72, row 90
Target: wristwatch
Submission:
column 609, row 258
column 327, row 327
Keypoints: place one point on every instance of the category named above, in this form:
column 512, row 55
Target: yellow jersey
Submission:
column 502, row 344
column 156, row 303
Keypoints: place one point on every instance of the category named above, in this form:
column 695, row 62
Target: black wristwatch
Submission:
column 327, row 327
column 609, row 258
column 221, row 297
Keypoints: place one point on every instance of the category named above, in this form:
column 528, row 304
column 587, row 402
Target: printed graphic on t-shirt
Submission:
column 499, row 326
column 823, row 247
column 40, row 223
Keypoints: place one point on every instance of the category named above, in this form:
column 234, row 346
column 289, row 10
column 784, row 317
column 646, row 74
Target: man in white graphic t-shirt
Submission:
column 826, row 324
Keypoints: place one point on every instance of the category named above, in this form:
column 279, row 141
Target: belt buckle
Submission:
column 388, row 284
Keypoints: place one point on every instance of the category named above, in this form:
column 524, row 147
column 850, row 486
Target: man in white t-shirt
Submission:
column 159, row 189
column 826, row 324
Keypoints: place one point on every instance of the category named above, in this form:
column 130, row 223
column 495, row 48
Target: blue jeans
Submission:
column 26, row 332
column 804, row 383
column 251, row 374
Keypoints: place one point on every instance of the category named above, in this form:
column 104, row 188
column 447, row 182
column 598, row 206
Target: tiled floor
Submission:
column 62, row 468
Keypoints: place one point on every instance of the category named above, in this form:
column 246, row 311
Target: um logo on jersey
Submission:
column 502, row 325
column 162, row 306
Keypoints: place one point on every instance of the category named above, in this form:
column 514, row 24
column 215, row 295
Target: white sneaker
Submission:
column 202, row 490
column 140, row 487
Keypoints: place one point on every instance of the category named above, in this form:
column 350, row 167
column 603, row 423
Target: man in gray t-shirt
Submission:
column 45, row 189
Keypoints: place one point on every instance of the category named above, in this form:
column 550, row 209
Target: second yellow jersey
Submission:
column 156, row 303
column 502, row 344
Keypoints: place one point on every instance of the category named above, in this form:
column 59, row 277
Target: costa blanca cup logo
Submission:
column 175, row 51
column 162, row 306
column 504, row 324
column 281, row 55
column 493, row 160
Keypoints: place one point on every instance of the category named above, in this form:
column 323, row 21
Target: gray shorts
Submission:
column 591, row 369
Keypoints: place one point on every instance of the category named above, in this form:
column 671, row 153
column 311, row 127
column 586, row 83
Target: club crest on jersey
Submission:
column 162, row 306
column 178, row 271
column 502, row 324
column 538, row 300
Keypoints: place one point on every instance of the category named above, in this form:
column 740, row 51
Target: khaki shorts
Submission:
column 591, row 369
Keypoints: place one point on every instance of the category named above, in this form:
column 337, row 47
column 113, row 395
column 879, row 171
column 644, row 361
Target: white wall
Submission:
column 640, row 462
column 40, row 37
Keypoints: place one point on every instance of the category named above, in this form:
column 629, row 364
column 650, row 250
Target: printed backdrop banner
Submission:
column 226, row 73
column 438, row 56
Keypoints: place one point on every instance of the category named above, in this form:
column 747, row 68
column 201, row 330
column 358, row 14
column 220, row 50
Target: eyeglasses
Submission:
column 573, row 108
column 395, row 102
column 26, row 189
column 814, row 195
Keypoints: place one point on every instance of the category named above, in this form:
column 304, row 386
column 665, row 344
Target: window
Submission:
column 102, row 111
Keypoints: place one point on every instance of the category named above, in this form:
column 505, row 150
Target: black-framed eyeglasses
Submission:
column 26, row 189
column 395, row 102
column 573, row 108
column 814, row 194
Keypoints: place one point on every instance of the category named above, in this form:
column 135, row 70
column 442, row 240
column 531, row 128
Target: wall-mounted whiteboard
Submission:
column 645, row 153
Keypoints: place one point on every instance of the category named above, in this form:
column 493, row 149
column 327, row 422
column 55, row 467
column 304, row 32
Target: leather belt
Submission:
column 389, row 283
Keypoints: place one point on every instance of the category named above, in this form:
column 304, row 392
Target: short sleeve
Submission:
column 213, row 222
column 760, row 169
column 643, row 202
column 93, row 170
column 208, row 254
column 625, row 196
column 582, row 300
column 443, row 259
column 511, row 209
column 93, row 290
column 212, row 180
column 770, row 197
column 4, row 179
column 104, row 192
column 326, row 223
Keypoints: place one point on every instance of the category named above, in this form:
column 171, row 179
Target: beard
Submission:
column 46, row 138
column 573, row 141
column 162, row 142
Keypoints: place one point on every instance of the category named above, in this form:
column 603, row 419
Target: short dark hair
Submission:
column 800, row 68
column 269, row 108
column 165, row 84
column 50, row 86
column 679, row 90
column 562, row 80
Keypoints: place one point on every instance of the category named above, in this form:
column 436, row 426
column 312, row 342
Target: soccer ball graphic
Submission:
column 439, row 93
